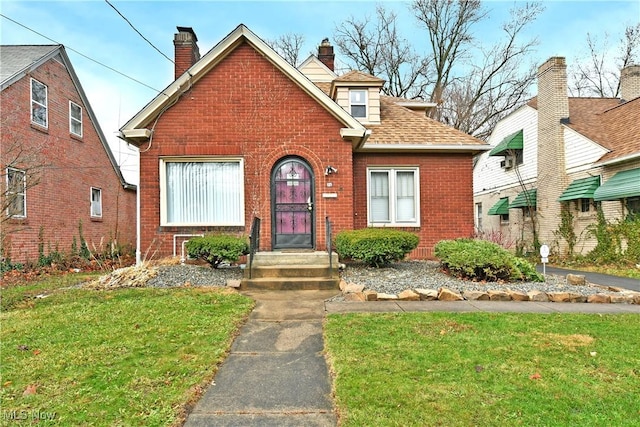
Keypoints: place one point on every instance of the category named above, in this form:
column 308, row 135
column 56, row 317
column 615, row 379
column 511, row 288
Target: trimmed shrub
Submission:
column 480, row 260
column 376, row 247
column 217, row 248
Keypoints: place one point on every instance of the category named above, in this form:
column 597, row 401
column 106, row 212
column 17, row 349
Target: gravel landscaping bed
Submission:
column 427, row 275
column 390, row 280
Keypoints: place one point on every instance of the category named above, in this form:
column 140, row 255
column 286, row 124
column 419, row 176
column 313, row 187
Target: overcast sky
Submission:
column 95, row 29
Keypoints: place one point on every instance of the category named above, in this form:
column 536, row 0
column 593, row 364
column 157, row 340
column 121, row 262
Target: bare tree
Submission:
column 599, row 73
column 496, row 81
column 376, row 47
column 289, row 47
column 21, row 168
column 475, row 86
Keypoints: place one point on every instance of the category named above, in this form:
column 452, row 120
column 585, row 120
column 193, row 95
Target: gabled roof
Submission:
column 402, row 129
column 136, row 130
column 16, row 61
column 608, row 122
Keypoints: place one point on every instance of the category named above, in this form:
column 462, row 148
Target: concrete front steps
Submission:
column 291, row 271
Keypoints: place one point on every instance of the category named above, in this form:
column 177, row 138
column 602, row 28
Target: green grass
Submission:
column 443, row 369
column 123, row 357
column 22, row 294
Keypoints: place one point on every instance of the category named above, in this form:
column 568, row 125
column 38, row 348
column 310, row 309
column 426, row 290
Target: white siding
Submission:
column 316, row 71
column 488, row 176
column 580, row 152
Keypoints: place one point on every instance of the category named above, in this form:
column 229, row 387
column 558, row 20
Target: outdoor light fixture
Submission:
column 330, row 169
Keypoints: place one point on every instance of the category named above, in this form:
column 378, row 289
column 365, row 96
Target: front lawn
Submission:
column 488, row 369
column 122, row 357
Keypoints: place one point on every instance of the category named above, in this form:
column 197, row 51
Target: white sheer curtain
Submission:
column 405, row 196
column 204, row 193
column 379, row 196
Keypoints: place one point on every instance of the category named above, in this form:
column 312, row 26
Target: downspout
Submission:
column 138, row 226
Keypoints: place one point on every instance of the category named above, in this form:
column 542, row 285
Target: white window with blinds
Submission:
column 393, row 197
column 201, row 191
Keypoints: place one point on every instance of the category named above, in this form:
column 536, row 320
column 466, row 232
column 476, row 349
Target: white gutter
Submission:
column 622, row 159
column 138, row 227
column 424, row 147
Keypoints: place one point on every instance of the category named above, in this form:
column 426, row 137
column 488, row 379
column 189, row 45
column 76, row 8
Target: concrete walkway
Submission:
column 276, row 373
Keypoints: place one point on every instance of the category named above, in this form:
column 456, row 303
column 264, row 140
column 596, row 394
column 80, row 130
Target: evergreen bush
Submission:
column 216, row 248
column 376, row 247
column 480, row 260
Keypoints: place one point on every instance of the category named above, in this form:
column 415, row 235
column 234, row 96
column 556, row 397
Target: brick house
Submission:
column 57, row 168
column 241, row 133
column 561, row 151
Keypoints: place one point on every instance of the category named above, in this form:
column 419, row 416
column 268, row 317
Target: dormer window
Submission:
column 358, row 103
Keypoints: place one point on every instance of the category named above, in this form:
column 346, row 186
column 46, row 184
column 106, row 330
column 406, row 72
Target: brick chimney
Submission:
column 326, row 55
column 630, row 82
column 553, row 110
column 186, row 50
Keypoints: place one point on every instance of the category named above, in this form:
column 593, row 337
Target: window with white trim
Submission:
column 96, row 202
column 393, row 197
column 39, row 103
column 75, row 118
column 16, row 193
column 479, row 216
column 358, row 103
column 201, row 191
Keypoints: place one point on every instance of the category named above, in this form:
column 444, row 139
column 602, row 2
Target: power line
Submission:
column 139, row 33
column 81, row 54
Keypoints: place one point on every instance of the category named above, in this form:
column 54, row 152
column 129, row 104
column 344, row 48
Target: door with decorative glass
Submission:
column 292, row 205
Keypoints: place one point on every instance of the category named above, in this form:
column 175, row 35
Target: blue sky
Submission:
column 97, row 31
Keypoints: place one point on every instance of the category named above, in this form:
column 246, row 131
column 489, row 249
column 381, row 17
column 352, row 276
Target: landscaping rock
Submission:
column 538, row 296
column 475, row 296
column 576, row 279
column 370, row 295
column 559, row 296
column 499, row 296
column 233, row 283
column 427, row 294
column 599, row 299
column 577, row 298
column 355, row 296
column 408, row 295
column 622, row 299
column 387, row 297
column 445, row 294
column 518, row 296
column 352, row 288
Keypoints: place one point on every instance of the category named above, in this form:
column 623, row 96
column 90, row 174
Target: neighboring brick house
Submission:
column 51, row 138
column 561, row 150
column 241, row 133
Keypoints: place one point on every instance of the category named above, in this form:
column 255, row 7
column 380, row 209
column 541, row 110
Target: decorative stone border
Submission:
column 353, row 292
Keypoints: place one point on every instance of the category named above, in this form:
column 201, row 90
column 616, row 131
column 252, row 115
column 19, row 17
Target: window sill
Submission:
column 394, row 225
column 18, row 220
column 96, row 219
column 76, row 137
column 39, row 128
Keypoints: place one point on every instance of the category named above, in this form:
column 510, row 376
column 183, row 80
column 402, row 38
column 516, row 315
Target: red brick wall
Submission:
column 446, row 195
column 72, row 166
column 246, row 107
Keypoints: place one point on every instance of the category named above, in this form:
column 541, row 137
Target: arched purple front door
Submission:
column 292, row 205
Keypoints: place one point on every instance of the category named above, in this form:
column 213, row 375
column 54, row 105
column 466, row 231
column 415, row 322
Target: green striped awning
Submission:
column 525, row 199
column 500, row 208
column 511, row 142
column 581, row 189
column 622, row 185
